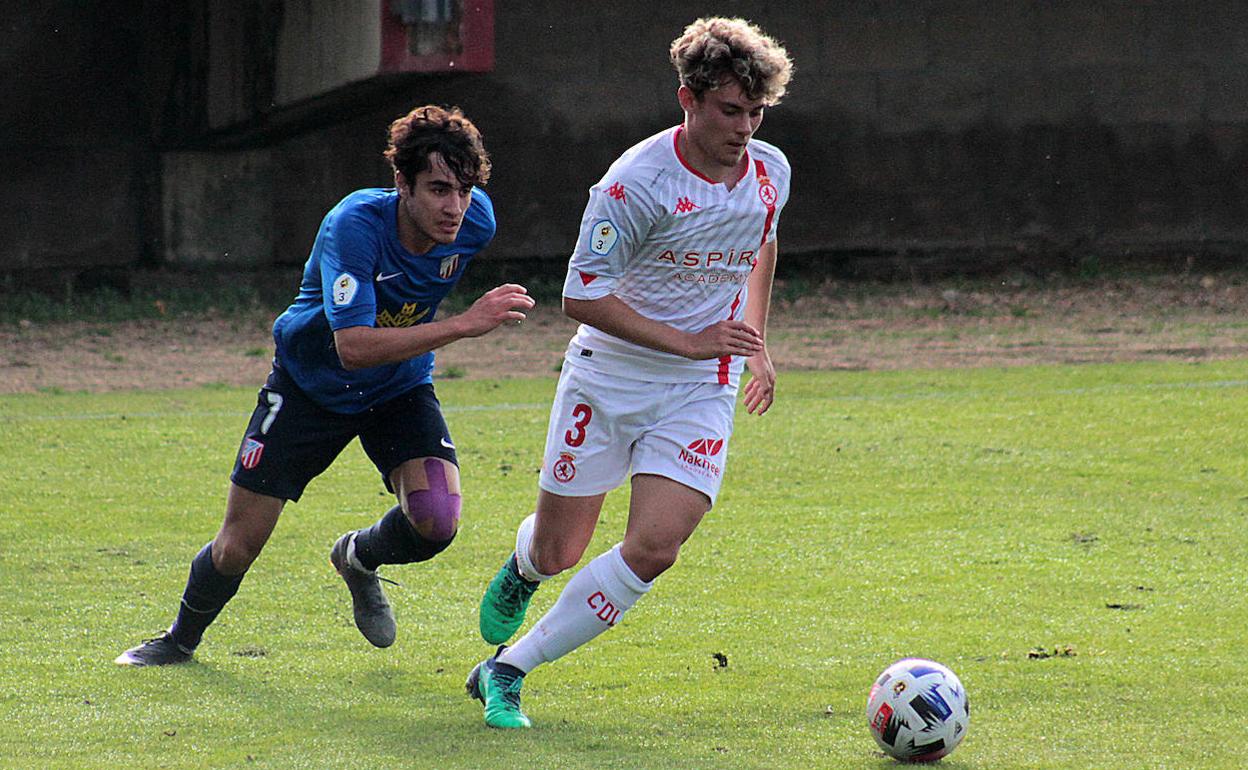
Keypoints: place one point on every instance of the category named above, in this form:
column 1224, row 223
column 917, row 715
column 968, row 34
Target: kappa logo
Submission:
column 707, row 447
column 447, row 268
column 684, row 206
column 249, row 455
column 617, row 191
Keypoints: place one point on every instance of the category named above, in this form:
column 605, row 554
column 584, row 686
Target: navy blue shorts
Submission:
column 292, row 440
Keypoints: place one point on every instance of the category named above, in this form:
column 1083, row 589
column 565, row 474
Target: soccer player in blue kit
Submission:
column 354, row 358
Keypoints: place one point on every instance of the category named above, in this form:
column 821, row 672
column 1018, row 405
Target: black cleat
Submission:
column 161, row 651
column 373, row 615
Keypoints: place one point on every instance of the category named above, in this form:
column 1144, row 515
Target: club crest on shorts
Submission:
column 564, row 469
column 249, row 455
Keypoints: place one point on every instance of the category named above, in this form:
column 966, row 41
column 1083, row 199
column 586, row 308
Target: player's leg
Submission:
column 677, row 464
column 588, row 438
column 288, row 442
column 663, row 513
column 420, row 527
column 548, row 541
column 216, row 573
column 409, row 442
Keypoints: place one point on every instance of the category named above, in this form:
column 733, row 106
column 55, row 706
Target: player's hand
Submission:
column 760, row 391
column 494, row 308
column 725, row 338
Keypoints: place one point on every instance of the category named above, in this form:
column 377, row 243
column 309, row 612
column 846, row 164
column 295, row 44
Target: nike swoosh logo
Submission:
column 383, row 277
column 446, row 443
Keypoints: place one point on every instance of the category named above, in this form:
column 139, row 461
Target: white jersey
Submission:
column 677, row 248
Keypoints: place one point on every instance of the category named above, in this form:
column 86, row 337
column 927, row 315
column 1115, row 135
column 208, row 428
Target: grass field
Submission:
column 1070, row 540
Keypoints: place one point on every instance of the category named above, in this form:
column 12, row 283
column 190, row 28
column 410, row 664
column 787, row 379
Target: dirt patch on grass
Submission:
column 834, row 326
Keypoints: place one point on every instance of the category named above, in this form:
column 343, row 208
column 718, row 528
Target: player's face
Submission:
column 431, row 206
column 720, row 123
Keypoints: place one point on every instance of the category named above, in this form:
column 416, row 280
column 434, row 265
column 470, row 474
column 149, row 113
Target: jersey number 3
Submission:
column 576, row 435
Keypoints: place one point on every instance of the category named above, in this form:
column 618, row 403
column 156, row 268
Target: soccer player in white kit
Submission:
column 671, row 281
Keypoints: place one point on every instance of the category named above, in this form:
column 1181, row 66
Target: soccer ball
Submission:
column 917, row 710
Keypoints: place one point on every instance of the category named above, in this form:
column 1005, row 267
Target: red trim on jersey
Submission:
column 745, row 167
column 761, row 173
column 586, row 278
column 726, row 361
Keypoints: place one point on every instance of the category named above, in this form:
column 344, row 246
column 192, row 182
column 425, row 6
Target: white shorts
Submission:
column 605, row 429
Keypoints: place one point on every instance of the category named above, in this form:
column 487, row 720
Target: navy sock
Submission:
column 393, row 540
column 207, row 591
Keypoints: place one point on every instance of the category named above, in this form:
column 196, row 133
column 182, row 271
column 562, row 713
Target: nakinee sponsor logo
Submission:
column 699, row 453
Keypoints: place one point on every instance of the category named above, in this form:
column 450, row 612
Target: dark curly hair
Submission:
column 446, row 131
column 713, row 49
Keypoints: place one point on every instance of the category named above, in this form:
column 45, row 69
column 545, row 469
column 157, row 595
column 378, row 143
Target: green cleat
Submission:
column 504, row 604
column 497, row 686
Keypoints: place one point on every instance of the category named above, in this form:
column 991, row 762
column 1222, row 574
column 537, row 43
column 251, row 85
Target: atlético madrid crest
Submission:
column 249, row 455
column 447, row 268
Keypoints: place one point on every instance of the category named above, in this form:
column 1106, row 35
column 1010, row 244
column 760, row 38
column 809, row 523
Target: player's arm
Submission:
column 360, row 347
column 613, row 316
column 760, row 391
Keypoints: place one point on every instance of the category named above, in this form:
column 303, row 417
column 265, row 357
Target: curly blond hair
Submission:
column 713, row 49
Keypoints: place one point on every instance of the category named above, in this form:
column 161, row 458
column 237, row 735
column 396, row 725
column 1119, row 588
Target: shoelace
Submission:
column 510, row 689
column 374, row 573
column 514, row 589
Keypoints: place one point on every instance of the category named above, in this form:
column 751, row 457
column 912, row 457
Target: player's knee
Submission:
column 234, row 554
column 649, row 560
column 555, row 557
column 433, row 513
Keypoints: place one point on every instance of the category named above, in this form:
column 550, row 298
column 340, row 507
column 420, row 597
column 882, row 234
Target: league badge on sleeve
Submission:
column 602, row 237
column 345, row 287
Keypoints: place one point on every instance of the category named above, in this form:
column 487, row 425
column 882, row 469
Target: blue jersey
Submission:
column 359, row 274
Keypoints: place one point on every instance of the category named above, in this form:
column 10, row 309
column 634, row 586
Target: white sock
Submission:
column 594, row 599
column 524, row 559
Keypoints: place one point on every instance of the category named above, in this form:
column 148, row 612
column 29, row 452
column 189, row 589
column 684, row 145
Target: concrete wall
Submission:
column 76, row 174
column 325, row 45
column 967, row 129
